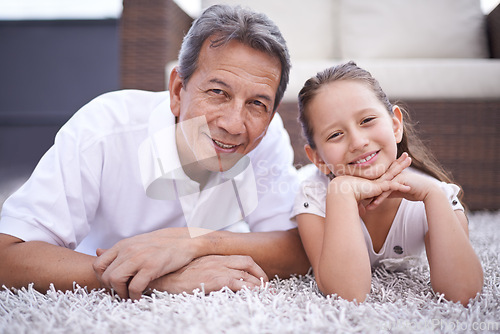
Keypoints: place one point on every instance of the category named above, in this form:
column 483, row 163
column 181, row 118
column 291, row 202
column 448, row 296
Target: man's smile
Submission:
column 222, row 145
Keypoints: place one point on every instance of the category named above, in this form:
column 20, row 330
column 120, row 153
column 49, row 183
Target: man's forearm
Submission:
column 277, row 253
column 41, row 263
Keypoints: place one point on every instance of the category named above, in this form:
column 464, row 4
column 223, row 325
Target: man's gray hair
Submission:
column 225, row 23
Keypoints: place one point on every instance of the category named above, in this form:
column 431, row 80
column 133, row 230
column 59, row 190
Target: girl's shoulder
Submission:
column 311, row 197
column 311, row 177
column 450, row 189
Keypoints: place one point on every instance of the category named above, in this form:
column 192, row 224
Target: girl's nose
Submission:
column 358, row 141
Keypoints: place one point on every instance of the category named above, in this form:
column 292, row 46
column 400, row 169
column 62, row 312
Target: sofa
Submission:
column 440, row 59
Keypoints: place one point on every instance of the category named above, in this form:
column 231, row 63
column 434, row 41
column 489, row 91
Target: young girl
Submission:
column 365, row 205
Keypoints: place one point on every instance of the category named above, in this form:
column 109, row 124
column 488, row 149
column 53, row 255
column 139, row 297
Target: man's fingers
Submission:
column 249, row 278
column 120, row 288
column 246, row 263
column 100, row 251
column 213, row 272
column 138, row 284
column 239, row 279
column 103, row 261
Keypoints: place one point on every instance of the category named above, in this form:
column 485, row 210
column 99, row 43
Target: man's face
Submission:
column 224, row 110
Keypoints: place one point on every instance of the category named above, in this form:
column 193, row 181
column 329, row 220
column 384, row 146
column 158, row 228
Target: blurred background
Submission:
column 56, row 55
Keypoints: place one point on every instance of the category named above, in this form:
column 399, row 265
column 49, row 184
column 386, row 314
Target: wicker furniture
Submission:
column 151, row 35
column 462, row 132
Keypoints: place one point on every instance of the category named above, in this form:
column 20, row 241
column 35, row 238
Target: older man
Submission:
column 159, row 185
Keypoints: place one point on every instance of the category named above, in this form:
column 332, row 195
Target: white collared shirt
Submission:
column 92, row 188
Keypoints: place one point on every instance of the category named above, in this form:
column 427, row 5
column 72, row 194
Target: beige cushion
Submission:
column 309, row 27
column 417, row 79
column 412, row 29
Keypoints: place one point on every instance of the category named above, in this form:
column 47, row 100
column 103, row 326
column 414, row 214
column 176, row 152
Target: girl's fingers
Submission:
column 394, row 187
column 399, row 165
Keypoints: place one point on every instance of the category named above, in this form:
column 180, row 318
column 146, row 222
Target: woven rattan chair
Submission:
column 463, row 134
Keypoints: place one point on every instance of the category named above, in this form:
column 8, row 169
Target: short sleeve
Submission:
column 311, row 197
column 57, row 201
column 452, row 190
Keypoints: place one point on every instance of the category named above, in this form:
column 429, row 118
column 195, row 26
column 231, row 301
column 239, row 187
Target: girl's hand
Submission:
column 398, row 166
column 420, row 186
column 364, row 189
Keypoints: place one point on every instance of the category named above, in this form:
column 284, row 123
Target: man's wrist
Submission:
column 212, row 243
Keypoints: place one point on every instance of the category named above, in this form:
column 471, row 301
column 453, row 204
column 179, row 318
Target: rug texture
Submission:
column 400, row 302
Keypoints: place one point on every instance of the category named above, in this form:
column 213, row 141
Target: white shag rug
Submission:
column 400, row 302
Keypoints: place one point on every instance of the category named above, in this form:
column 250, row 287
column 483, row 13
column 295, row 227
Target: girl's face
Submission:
column 353, row 132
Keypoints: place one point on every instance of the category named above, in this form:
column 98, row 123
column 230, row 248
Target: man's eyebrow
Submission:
column 218, row 81
column 265, row 97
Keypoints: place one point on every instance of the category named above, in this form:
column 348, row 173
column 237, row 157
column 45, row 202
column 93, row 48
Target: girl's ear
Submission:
column 314, row 157
column 175, row 86
column 397, row 123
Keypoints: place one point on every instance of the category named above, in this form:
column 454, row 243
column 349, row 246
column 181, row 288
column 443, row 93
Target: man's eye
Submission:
column 217, row 91
column 259, row 104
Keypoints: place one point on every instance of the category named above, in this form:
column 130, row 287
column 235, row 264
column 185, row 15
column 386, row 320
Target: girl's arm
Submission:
column 455, row 268
column 335, row 245
column 336, row 249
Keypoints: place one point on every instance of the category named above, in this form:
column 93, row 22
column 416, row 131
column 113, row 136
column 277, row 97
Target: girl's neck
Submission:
column 378, row 222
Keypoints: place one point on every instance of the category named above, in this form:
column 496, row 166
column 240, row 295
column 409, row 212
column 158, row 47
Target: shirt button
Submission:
column 398, row 249
column 306, row 205
column 455, row 202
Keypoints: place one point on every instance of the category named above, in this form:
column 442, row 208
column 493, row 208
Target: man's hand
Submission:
column 130, row 265
column 214, row 272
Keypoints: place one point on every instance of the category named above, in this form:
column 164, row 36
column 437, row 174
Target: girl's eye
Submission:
column 334, row 135
column 367, row 120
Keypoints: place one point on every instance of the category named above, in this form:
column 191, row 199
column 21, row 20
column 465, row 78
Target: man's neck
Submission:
column 191, row 167
column 196, row 172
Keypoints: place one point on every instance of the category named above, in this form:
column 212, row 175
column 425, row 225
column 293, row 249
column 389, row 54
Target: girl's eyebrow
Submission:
column 369, row 109
column 329, row 128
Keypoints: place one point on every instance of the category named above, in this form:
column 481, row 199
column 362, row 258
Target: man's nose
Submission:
column 233, row 119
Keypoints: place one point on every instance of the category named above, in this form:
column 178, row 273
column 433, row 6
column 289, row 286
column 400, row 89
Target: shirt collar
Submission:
column 158, row 157
column 161, row 170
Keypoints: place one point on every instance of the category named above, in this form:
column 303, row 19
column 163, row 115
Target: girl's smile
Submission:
column 365, row 159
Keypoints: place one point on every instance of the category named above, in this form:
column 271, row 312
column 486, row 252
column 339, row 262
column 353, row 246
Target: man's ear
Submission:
column 314, row 157
column 175, row 86
column 397, row 123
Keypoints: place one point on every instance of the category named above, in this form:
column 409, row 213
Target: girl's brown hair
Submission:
column 422, row 158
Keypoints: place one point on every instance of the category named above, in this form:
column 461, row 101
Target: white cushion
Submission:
column 417, row 79
column 412, row 29
column 309, row 27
